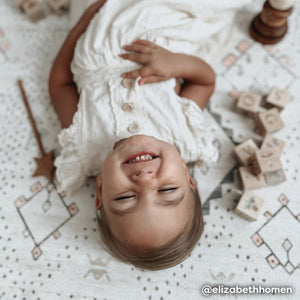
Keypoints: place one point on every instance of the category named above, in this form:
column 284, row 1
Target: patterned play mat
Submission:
column 49, row 245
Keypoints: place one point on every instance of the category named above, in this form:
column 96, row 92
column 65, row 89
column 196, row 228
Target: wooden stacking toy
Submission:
column 270, row 26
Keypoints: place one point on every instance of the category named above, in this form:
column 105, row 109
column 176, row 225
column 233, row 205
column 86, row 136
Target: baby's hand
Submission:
column 158, row 63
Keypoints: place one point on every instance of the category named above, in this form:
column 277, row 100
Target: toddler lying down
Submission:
column 131, row 113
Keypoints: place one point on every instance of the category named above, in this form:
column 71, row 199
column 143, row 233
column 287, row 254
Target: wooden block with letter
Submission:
column 59, row 6
column 251, row 181
column 271, row 142
column 278, row 98
column 33, row 10
column 19, row 3
column 248, row 103
column 267, row 162
column 244, row 151
column 268, row 121
column 273, row 178
column 249, row 206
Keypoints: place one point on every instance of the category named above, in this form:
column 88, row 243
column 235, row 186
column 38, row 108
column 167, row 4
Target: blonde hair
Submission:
column 166, row 256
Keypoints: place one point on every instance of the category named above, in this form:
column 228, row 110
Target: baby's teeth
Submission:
column 138, row 158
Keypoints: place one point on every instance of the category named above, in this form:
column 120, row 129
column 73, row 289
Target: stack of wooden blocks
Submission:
column 34, row 9
column 260, row 167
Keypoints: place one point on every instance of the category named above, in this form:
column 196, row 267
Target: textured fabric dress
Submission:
column 110, row 108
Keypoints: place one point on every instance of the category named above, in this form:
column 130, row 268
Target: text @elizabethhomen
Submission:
column 221, row 289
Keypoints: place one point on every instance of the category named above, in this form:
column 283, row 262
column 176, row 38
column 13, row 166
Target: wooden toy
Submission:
column 271, row 142
column 249, row 206
column 251, row 181
column 33, row 10
column 244, row 151
column 45, row 164
column 19, row 3
column 265, row 161
column 59, row 6
column 248, row 103
column 270, row 26
column 278, row 98
column 273, row 178
column 268, row 121
column 281, row 4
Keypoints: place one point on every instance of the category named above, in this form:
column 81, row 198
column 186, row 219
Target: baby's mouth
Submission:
column 141, row 157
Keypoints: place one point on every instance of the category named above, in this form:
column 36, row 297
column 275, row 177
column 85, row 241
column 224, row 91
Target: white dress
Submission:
column 109, row 111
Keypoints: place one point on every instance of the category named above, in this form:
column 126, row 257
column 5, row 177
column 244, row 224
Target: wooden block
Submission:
column 248, row 103
column 249, row 206
column 265, row 161
column 19, row 3
column 278, row 98
column 273, row 178
column 271, row 142
column 59, row 6
column 251, row 181
column 33, row 10
column 268, row 121
column 244, row 151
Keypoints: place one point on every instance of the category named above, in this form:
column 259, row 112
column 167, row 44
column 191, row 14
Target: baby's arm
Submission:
column 161, row 64
column 62, row 89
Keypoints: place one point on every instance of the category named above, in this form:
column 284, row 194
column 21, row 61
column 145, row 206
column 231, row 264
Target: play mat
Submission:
column 49, row 244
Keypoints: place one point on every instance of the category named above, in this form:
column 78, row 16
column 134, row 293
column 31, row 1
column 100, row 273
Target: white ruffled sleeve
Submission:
column 203, row 147
column 70, row 173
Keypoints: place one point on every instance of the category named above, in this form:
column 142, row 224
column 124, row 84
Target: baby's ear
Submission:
column 190, row 179
column 99, row 191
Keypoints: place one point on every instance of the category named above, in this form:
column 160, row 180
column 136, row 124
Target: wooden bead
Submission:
column 267, row 30
column 271, row 142
column 278, row 98
column 281, row 4
column 59, row 6
column 249, row 206
column 272, row 17
column 248, row 103
column 244, row 151
column 33, row 10
column 251, row 181
column 268, row 121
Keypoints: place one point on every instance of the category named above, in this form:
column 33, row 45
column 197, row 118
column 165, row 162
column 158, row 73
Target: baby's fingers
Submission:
column 145, row 43
column 144, row 71
column 137, row 48
column 150, row 79
column 136, row 57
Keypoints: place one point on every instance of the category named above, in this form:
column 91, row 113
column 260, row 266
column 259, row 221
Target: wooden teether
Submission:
column 45, row 164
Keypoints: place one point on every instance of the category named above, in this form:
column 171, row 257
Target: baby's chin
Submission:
column 119, row 143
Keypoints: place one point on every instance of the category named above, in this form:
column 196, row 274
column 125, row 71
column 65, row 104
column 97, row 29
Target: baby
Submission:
column 148, row 208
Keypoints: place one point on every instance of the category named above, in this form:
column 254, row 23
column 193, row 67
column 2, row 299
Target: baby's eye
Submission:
column 124, row 197
column 168, row 189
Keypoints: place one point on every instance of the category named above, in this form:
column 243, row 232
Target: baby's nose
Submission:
column 142, row 176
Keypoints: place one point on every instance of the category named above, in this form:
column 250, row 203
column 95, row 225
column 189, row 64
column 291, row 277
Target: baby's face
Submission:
column 146, row 192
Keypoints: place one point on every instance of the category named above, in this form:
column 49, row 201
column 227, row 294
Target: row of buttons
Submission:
column 128, row 107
